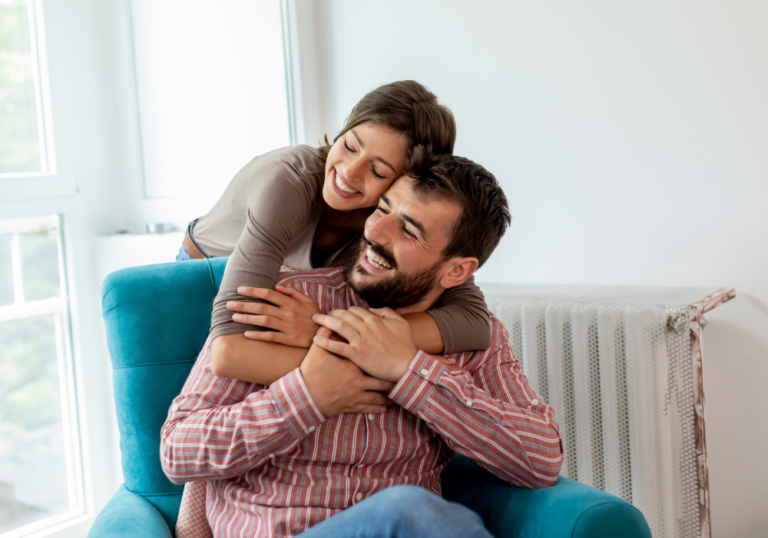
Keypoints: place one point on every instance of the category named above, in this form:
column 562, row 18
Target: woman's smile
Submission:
column 342, row 188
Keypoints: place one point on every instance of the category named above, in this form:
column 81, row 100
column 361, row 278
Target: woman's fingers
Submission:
column 267, row 336
column 268, row 322
column 255, row 308
column 272, row 296
column 294, row 293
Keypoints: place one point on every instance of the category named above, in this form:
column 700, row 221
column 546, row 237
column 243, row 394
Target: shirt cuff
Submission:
column 418, row 381
column 296, row 405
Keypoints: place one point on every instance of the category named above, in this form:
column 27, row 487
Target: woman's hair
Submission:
column 409, row 108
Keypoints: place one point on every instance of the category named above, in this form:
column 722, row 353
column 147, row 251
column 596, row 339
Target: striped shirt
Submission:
column 277, row 466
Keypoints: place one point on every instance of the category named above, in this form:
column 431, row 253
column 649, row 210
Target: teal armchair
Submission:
column 157, row 320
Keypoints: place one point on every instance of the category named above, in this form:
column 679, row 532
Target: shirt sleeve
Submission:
column 490, row 414
column 462, row 317
column 279, row 206
column 219, row 428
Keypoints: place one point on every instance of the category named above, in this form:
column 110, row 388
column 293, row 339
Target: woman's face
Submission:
column 361, row 165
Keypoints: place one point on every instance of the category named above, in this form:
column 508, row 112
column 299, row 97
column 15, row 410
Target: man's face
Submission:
column 400, row 259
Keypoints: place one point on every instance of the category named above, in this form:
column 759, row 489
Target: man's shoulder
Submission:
column 332, row 277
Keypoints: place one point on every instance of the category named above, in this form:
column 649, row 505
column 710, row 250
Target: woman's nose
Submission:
column 355, row 169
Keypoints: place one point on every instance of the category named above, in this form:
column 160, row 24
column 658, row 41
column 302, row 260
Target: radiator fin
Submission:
column 621, row 382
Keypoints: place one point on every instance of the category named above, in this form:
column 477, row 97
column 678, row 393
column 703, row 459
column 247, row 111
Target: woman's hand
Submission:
column 289, row 316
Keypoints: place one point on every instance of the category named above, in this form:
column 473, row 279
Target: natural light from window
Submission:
column 22, row 126
column 40, row 478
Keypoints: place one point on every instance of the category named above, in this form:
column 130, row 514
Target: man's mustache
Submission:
column 380, row 252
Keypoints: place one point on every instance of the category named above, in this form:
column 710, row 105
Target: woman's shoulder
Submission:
column 302, row 159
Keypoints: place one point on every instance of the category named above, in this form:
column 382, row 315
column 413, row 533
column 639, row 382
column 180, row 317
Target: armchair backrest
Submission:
column 157, row 319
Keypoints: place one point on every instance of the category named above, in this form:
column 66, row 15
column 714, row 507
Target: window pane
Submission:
column 19, row 136
column 40, row 264
column 6, row 270
column 33, row 470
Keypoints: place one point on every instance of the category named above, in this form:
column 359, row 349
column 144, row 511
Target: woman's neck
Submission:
column 343, row 220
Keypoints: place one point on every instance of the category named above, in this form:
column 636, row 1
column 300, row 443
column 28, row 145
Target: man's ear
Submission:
column 456, row 271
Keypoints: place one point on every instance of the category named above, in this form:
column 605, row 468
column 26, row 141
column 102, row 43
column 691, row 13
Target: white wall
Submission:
column 630, row 138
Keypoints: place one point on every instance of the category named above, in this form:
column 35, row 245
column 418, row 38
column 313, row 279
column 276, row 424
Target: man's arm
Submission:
column 488, row 413
column 491, row 415
column 220, row 428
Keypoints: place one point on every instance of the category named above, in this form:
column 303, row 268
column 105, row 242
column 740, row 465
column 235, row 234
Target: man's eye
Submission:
column 347, row 147
column 381, row 210
column 408, row 234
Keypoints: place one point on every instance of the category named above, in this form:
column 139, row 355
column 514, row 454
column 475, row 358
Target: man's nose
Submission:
column 380, row 230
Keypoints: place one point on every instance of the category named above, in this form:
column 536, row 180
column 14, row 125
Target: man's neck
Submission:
column 425, row 304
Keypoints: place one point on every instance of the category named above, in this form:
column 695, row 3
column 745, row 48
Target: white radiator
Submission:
column 622, row 369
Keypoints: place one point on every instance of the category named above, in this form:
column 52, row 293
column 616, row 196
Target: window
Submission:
column 40, row 477
column 23, row 137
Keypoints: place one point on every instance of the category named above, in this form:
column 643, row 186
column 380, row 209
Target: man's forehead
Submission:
column 432, row 211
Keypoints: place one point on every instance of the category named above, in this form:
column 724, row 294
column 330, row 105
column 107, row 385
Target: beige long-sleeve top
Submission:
column 267, row 218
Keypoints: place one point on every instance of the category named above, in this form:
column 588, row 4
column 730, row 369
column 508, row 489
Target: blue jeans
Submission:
column 402, row 512
column 183, row 255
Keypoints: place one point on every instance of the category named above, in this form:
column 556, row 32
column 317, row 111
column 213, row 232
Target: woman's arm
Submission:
column 236, row 357
column 462, row 318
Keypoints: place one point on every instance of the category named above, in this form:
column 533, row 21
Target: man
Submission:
column 295, row 457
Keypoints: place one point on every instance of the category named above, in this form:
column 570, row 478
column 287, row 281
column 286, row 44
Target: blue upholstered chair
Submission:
column 157, row 318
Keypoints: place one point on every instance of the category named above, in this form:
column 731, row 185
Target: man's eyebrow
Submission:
column 382, row 161
column 416, row 224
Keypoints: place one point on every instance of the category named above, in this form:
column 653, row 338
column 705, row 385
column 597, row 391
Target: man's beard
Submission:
column 397, row 291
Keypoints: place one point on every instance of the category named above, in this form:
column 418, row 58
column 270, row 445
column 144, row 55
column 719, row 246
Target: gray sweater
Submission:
column 267, row 218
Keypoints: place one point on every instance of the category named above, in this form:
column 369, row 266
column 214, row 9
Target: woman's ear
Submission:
column 457, row 270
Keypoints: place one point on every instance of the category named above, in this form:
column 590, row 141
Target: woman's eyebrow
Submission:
column 377, row 158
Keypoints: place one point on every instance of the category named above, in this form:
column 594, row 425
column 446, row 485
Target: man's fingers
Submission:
column 324, row 332
column 294, row 293
column 374, row 398
column 272, row 296
column 379, row 385
column 360, row 312
column 445, row 360
column 386, row 313
column 350, row 317
column 369, row 409
column 344, row 329
column 339, row 348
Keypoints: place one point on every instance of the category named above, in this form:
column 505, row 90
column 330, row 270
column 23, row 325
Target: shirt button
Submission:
column 425, row 372
column 534, row 402
column 359, row 496
column 271, row 456
column 311, row 429
column 361, row 466
column 175, row 407
column 370, row 416
column 469, row 403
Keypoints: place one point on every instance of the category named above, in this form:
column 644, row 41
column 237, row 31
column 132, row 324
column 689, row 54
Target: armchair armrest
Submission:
column 566, row 510
column 127, row 515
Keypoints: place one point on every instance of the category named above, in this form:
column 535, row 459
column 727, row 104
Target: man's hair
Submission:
column 484, row 217
column 406, row 107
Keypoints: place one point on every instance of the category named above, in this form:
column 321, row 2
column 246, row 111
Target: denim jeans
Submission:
column 402, row 512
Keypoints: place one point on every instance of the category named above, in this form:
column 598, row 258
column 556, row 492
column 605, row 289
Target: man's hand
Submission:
column 337, row 386
column 290, row 317
column 379, row 340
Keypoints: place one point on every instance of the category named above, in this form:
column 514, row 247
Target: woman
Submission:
column 304, row 208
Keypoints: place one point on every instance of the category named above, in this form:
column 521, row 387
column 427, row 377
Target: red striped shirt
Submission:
column 277, row 467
